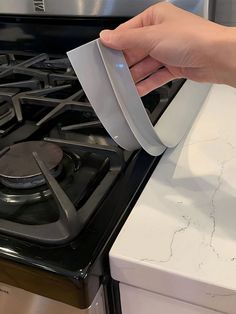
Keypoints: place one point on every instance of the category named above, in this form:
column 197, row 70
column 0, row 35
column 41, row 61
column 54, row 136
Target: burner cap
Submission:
column 18, row 168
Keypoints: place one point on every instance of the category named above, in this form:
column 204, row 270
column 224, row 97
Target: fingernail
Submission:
column 105, row 35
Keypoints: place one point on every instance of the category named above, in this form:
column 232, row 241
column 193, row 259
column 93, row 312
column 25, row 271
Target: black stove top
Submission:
column 57, row 163
column 65, row 185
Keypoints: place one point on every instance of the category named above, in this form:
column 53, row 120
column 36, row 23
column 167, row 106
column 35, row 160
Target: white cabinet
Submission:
column 138, row 301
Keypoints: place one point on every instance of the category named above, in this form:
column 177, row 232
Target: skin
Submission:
column 164, row 43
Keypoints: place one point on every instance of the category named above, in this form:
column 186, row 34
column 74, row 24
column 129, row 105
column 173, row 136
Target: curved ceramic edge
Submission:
column 89, row 68
column 129, row 100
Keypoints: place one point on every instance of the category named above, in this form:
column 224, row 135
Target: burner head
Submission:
column 18, row 168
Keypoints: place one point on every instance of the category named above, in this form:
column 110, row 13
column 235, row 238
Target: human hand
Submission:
column 164, row 43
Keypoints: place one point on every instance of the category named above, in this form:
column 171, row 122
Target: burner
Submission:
column 18, row 168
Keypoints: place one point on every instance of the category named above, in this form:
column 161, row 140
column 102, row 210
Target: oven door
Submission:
column 14, row 300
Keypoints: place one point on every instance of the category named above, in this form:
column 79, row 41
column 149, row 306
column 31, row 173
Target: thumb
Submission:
column 143, row 37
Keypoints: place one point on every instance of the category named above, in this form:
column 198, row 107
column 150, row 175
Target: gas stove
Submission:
column 57, row 163
column 66, row 188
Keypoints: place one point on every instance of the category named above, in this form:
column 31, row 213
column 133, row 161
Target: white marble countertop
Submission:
column 180, row 239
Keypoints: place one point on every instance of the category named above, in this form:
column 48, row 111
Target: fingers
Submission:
column 134, row 56
column 154, row 81
column 152, row 15
column 135, row 22
column 140, row 38
column 144, row 68
column 140, row 20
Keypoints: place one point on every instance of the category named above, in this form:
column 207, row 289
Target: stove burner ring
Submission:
column 19, row 170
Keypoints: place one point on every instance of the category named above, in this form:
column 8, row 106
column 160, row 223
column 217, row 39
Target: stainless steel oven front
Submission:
column 14, row 300
column 98, row 8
